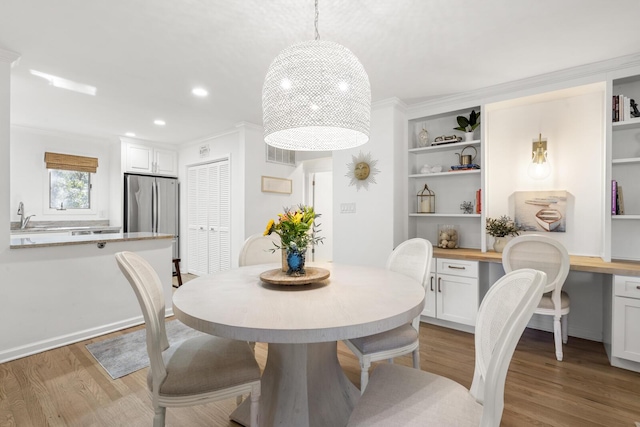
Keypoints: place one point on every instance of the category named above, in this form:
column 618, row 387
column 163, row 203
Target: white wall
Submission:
column 573, row 123
column 261, row 207
column 250, row 207
column 29, row 176
column 367, row 236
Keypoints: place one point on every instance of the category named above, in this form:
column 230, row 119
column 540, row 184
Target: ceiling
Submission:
column 145, row 56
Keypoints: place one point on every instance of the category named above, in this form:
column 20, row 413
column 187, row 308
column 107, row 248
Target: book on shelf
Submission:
column 620, row 108
column 614, row 197
column 479, row 201
column 620, row 201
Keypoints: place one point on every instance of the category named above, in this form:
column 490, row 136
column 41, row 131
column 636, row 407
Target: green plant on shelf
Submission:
column 470, row 124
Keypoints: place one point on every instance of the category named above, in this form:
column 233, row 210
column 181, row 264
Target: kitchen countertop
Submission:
column 49, row 241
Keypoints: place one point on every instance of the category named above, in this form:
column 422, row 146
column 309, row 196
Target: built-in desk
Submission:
column 578, row 263
column 602, row 293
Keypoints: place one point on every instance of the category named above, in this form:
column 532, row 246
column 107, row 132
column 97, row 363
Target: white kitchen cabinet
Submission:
column 626, row 318
column 151, row 160
column 452, row 292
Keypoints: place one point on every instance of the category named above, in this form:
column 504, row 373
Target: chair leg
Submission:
column 364, row 374
column 158, row 418
column 557, row 337
column 565, row 329
column 255, row 407
column 176, row 263
column 416, row 358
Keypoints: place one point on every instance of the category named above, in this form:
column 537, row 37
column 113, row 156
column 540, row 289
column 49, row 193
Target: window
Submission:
column 69, row 189
column 70, row 181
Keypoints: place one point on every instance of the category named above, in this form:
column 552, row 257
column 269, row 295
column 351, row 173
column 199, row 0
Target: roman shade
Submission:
column 70, row 162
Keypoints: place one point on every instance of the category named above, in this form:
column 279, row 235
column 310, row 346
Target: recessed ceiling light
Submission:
column 159, row 122
column 130, row 134
column 199, row 91
column 65, row 83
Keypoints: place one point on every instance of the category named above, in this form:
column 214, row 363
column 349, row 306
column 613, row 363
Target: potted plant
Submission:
column 500, row 228
column 468, row 125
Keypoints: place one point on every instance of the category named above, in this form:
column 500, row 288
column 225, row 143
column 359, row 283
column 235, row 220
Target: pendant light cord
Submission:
column 316, row 22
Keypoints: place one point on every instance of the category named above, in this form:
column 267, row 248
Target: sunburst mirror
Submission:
column 362, row 171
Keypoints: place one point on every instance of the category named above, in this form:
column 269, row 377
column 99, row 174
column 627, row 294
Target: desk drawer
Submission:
column 627, row 286
column 456, row 267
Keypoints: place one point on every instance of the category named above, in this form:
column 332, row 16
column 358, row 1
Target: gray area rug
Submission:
column 127, row 353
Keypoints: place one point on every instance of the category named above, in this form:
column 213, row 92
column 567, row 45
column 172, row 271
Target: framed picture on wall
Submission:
column 541, row 210
column 272, row 184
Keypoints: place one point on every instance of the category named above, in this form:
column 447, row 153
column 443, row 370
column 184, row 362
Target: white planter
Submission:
column 468, row 136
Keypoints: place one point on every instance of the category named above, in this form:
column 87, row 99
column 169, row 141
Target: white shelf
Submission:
column 446, row 215
column 452, row 173
column 618, row 217
column 626, row 160
column 443, row 147
column 627, row 124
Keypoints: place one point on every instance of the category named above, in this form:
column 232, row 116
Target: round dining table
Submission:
column 303, row 383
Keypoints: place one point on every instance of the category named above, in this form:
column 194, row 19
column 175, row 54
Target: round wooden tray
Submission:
column 279, row 277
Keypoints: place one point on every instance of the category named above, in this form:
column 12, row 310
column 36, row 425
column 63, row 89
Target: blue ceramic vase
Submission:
column 295, row 260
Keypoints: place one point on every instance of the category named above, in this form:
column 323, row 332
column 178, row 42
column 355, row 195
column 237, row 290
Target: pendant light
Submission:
column 316, row 97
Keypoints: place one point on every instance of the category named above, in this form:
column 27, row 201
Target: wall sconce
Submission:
column 539, row 167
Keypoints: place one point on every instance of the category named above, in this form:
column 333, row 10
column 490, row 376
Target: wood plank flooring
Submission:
column 67, row 387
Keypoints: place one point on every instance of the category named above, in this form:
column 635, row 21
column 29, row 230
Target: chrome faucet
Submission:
column 23, row 221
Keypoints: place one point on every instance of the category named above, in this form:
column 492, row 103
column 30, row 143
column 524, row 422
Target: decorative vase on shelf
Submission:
column 295, row 261
column 499, row 243
column 468, row 136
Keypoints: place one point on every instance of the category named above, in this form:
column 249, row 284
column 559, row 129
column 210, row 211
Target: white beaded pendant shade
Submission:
column 316, row 97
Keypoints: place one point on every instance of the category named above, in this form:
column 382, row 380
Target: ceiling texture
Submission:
column 145, row 56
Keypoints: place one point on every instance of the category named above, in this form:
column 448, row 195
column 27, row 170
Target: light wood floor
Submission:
column 67, row 387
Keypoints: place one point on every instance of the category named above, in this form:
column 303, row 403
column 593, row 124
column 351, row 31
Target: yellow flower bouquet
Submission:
column 295, row 228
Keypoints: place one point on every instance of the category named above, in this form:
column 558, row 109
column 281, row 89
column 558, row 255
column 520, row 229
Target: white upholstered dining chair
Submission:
column 257, row 249
column 199, row 370
column 411, row 258
column 548, row 255
column 402, row 396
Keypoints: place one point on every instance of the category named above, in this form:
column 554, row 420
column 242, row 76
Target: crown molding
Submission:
column 588, row 73
column 9, row 56
column 249, row 125
column 393, row 102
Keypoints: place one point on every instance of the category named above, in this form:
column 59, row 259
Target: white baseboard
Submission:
column 60, row 341
column 447, row 324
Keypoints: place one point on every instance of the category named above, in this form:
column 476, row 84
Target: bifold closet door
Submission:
column 209, row 217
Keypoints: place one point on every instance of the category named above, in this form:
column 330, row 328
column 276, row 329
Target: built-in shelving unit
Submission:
column 625, row 170
column 451, row 187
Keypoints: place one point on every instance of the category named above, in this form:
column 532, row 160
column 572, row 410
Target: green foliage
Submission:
column 69, row 189
column 502, row 227
column 470, row 124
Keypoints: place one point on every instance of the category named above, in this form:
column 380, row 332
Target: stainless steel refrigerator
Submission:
column 151, row 204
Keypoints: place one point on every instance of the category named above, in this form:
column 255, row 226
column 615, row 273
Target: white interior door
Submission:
column 322, row 201
column 209, row 218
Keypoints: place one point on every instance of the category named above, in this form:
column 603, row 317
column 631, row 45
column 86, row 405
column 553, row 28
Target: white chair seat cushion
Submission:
column 402, row 396
column 207, row 363
column 395, row 338
column 547, row 304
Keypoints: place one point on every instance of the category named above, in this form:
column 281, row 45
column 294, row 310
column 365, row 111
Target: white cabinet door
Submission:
column 626, row 318
column 166, row 162
column 151, row 160
column 139, row 158
column 457, row 299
